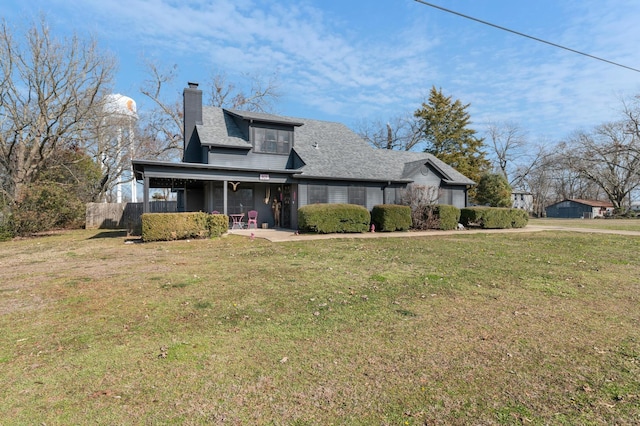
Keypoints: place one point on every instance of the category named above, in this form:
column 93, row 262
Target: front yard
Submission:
column 539, row 328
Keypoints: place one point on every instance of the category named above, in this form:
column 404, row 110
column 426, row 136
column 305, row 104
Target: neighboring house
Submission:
column 522, row 200
column 575, row 208
column 236, row 161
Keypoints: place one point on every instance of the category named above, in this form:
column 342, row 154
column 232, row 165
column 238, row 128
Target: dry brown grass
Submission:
column 537, row 328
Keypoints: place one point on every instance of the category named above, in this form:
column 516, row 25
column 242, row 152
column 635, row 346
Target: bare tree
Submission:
column 537, row 176
column 609, row 157
column 161, row 133
column 421, row 199
column 258, row 97
column 401, row 133
column 49, row 90
column 161, row 130
column 507, row 143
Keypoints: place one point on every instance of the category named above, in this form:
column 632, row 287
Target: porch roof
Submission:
column 165, row 174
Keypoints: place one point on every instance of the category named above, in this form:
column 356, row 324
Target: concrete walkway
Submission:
column 282, row 235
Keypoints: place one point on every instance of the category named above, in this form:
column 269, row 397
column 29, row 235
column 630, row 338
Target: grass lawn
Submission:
column 613, row 224
column 540, row 328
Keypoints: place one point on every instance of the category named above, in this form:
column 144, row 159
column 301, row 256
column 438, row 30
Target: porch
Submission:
column 200, row 187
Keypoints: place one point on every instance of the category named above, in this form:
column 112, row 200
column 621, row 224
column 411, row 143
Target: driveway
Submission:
column 281, row 235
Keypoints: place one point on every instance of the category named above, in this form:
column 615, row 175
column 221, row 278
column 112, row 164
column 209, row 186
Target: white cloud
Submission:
column 327, row 63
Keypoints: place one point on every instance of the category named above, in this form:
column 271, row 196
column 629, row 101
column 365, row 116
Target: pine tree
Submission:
column 493, row 190
column 445, row 131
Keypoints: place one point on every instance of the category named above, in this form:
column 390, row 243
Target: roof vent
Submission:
column 316, row 145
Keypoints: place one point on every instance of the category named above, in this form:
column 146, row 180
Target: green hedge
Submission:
column 331, row 218
column 218, row 224
column 519, row 218
column 494, row 217
column 180, row 226
column 391, row 217
column 448, row 216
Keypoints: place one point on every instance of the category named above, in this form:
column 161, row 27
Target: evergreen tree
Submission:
column 445, row 131
column 494, row 190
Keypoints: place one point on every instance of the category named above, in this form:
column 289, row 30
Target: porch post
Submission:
column 145, row 194
column 224, row 196
column 186, row 209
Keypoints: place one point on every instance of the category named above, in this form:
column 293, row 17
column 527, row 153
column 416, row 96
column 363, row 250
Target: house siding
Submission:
column 453, row 196
column 430, row 179
column 522, row 200
column 246, row 159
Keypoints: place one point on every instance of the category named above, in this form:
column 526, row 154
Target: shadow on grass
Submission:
column 116, row 233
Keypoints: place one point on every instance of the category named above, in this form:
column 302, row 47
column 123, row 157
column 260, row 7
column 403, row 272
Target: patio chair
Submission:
column 252, row 217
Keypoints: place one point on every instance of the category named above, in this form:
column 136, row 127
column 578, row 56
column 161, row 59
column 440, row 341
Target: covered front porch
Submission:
column 274, row 202
column 200, row 187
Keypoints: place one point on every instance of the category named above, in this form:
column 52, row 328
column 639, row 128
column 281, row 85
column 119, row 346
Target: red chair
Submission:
column 252, row 217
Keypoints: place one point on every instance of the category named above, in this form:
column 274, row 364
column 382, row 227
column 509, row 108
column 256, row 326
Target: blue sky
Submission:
column 353, row 60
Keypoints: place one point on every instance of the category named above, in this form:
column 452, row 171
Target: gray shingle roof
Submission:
column 329, row 150
column 219, row 129
column 264, row 117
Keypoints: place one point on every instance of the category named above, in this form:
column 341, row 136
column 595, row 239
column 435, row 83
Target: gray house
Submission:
column 576, row 208
column 237, row 161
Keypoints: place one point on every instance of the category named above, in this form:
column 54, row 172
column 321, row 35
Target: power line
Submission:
column 526, row 35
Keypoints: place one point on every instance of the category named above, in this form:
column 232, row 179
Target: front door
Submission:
column 281, row 205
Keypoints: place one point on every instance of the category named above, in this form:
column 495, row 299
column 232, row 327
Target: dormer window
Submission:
column 269, row 140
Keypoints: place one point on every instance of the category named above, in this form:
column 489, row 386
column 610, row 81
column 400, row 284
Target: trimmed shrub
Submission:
column 519, row 218
column 437, row 216
column 332, row 218
column 218, row 224
column 175, row 226
column 469, row 216
column 448, row 216
column 391, row 217
column 494, row 217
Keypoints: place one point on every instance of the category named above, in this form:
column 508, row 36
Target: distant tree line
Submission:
column 602, row 163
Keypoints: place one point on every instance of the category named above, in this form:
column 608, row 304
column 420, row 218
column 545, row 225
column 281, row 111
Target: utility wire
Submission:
column 526, row 35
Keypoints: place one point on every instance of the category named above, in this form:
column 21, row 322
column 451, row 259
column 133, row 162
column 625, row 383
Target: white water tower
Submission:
column 122, row 113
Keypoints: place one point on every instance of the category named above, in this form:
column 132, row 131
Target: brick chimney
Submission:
column 192, row 104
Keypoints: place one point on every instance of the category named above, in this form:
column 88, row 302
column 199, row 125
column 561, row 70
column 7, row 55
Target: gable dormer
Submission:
column 268, row 134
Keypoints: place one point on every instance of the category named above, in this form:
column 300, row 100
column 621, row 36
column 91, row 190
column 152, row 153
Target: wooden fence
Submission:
column 123, row 215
